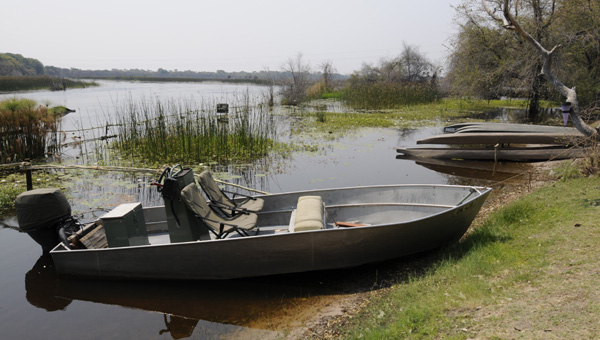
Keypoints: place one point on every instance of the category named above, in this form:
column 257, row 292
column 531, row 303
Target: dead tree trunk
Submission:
column 509, row 22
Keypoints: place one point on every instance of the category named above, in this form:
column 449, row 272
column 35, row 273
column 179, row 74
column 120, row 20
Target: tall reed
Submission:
column 25, row 129
column 187, row 132
column 384, row 95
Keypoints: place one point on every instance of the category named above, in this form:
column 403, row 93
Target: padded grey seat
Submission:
column 229, row 207
column 220, row 226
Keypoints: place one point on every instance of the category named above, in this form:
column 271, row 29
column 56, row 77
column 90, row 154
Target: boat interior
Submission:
column 189, row 215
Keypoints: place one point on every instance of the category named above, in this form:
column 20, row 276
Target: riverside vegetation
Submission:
column 153, row 132
column 528, row 270
column 27, row 129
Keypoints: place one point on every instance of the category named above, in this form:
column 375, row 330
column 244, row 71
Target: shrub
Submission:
column 24, row 129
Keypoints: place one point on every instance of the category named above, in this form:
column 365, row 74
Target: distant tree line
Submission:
column 407, row 79
column 162, row 73
column 16, row 65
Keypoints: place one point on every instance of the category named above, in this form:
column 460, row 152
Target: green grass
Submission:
column 487, row 285
column 332, row 95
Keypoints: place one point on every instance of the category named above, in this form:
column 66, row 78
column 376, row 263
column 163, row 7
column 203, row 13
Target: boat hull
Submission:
column 504, row 137
column 499, row 154
column 278, row 253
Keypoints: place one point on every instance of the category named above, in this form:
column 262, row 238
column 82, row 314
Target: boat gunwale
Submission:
column 378, row 186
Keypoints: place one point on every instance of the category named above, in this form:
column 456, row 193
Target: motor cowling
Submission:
column 40, row 213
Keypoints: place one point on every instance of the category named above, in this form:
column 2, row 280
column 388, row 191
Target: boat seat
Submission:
column 310, row 214
column 228, row 206
column 220, row 226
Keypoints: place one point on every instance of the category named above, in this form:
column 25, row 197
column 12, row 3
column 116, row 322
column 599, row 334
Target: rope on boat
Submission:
column 28, row 166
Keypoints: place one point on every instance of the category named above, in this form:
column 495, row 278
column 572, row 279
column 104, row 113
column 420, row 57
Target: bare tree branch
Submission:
column 509, row 22
column 492, row 14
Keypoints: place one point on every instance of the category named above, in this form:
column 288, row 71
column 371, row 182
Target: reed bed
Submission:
column 24, row 83
column 25, row 129
column 383, row 95
column 183, row 131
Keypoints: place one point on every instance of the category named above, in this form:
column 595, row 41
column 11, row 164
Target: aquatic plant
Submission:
column 187, row 132
column 387, row 95
column 25, row 129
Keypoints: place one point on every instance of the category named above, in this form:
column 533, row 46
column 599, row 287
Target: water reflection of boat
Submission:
column 215, row 307
column 492, row 171
column 41, row 285
column 348, row 227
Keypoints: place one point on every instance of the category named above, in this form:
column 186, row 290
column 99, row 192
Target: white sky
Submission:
column 231, row 35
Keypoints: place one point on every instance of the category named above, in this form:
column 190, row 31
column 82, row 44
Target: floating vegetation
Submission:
column 330, row 125
column 186, row 132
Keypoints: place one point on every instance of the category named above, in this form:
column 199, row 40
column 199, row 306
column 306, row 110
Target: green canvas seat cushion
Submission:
column 193, row 199
column 309, row 213
column 254, row 205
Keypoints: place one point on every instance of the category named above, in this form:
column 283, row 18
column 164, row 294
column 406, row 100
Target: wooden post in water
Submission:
column 28, row 175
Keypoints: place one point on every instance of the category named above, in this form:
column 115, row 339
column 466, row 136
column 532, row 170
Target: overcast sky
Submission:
column 230, row 35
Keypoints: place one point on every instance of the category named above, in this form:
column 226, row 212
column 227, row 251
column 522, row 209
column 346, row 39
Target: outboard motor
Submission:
column 42, row 213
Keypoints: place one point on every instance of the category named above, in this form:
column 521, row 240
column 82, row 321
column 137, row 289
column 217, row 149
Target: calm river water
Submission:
column 35, row 303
